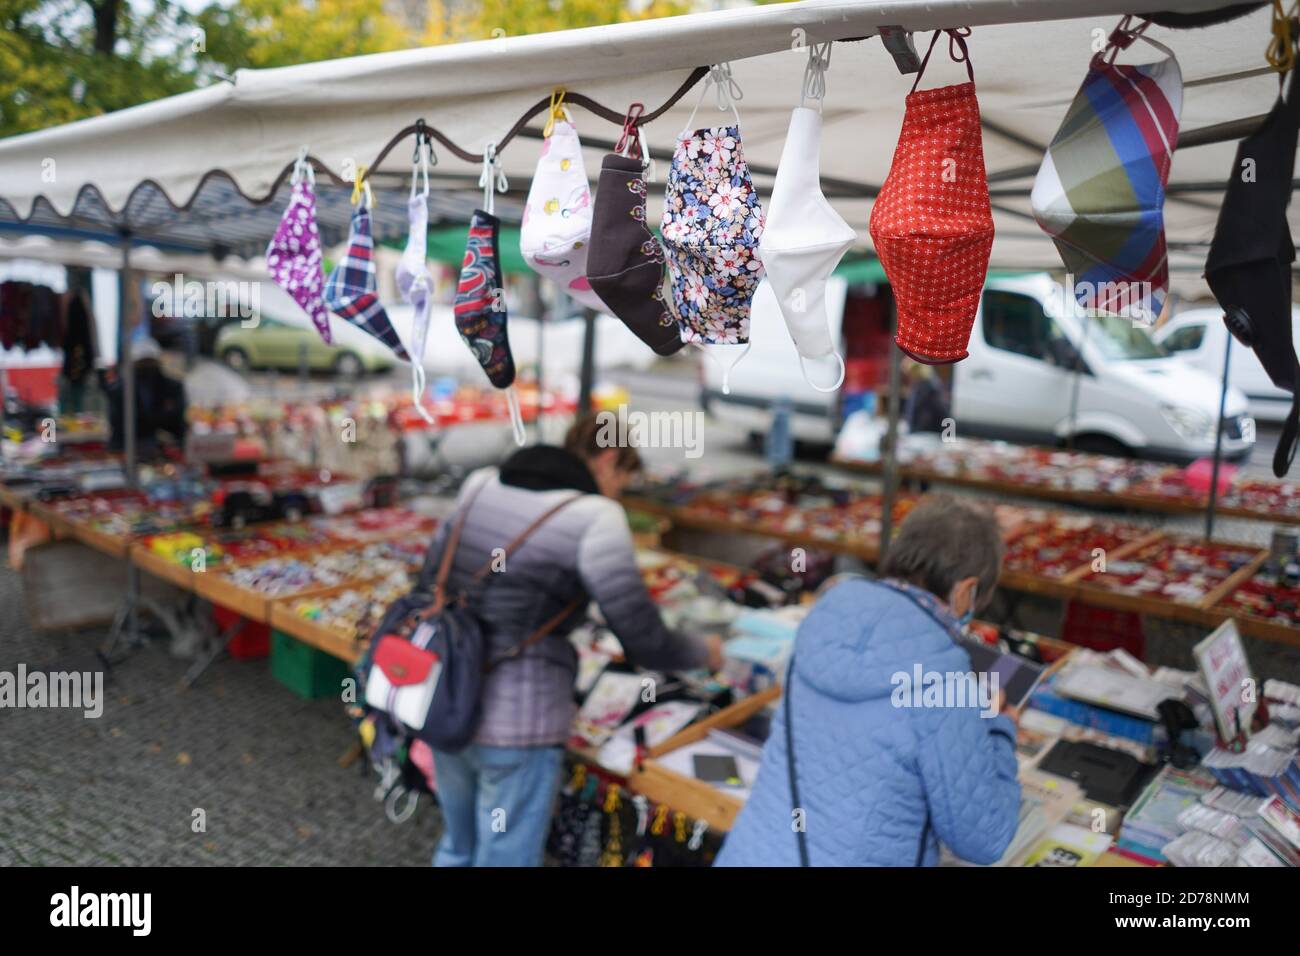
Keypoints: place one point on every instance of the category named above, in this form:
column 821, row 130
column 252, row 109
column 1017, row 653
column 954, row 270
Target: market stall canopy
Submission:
column 217, row 153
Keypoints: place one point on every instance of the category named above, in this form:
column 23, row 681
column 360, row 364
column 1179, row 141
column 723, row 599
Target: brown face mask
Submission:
column 626, row 264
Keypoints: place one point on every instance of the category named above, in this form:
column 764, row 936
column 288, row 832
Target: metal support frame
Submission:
column 890, row 472
column 1218, row 445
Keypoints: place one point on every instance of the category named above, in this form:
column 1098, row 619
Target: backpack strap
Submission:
column 449, row 552
column 524, row 535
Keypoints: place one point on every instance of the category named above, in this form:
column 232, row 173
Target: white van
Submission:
column 1133, row 397
column 1198, row 337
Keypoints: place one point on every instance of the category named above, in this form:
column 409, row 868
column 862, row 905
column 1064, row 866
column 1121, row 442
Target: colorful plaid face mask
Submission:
column 931, row 223
column 480, row 306
column 350, row 288
column 1100, row 192
column 414, row 281
column 555, row 238
column 294, row 256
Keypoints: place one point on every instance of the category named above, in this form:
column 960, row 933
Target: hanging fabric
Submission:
column 931, row 223
column 711, row 226
column 626, row 265
column 1100, row 192
column 351, row 288
column 1249, row 265
column 555, row 238
column 480, row 306
column 804, row 238
column 293, row 257
column 414, row 281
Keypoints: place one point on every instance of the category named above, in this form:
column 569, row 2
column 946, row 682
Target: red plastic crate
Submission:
column 251, row 643
column 1104, row 630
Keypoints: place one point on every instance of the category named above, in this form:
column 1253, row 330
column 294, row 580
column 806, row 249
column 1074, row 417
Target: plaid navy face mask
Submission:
column 350, row 290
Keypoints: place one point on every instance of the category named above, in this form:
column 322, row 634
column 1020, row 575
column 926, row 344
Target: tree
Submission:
column 455, row 21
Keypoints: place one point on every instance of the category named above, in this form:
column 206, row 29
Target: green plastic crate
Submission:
column 304, row 670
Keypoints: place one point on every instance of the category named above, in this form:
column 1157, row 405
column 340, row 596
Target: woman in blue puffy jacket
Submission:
column 893, row 752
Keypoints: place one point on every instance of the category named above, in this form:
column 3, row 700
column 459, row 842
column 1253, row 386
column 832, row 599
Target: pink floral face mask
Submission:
column 294, row 256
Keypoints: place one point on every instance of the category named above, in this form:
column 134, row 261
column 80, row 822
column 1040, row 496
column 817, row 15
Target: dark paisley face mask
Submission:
column 626, row 265
column 480, row 306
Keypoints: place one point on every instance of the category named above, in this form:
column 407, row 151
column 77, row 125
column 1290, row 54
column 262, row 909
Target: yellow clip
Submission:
column 661, row 817
column 579, row 776
column 679, row 821
column 1281, row 49
column 359, row 184
column 557, row 111
column 611, row 799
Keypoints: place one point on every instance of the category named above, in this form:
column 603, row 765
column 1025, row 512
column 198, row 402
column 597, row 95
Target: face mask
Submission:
column 350, row 289
column 1249, row 266
column 626, row 265
column 480, row 306
column 414, row 281
column 804, row 238
column 294, row 258
column 1100, row 192
column 711, row 225
column 931, row 223
column 555, row 238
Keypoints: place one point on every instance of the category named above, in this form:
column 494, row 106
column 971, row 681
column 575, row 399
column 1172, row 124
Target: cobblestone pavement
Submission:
column 122, row 789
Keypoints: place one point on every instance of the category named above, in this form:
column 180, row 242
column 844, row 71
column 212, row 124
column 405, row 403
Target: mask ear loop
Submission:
column 302, row 168
column 492, row 179
column 824, row 389
column 558, row 111
column 419, row 171
column 814, row 74
column 516, row 416
column 726, row 89
column 956, row 41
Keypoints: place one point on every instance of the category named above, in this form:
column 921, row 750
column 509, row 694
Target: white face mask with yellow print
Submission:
column 556, row 232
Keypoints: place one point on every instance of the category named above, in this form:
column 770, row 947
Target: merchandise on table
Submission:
column 376, row 524
column 1174, row 569
column 286, row 575
column 1064, row 543
column 357, row 611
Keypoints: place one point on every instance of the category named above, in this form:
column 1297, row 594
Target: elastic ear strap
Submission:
column 1286, row 443
column 417, row 389
column 725, row 369
column 925, row 60
column 956, row 40
column 832, row 388
column 516, row 416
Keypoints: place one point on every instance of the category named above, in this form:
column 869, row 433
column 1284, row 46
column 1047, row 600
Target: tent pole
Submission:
column 890, row 474
column 1218, row 445
column 588, row 362
column 126, row 368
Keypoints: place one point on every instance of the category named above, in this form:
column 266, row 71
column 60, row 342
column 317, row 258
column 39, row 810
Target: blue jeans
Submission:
column 496, row 804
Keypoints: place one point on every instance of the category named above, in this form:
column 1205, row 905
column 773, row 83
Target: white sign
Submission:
column 1223, row 664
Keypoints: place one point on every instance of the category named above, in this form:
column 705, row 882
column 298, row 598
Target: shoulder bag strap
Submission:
column 449, row 549
column 524, row 535
column 789, row 762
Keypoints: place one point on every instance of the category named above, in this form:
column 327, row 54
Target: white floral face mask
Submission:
column 555, row 237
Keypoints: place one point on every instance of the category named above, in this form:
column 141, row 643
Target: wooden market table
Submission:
column 1130, row 501
column 1071, row 586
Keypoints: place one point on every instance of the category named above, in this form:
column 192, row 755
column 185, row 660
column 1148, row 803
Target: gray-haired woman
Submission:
column 883, row 770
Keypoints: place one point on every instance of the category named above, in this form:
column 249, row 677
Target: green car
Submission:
column 276, row 345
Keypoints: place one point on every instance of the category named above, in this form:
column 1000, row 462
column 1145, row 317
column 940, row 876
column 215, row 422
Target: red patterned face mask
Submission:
column 931, row 224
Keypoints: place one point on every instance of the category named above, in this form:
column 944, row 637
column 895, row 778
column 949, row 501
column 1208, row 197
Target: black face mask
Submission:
column 1249, row 266
column 626, row 264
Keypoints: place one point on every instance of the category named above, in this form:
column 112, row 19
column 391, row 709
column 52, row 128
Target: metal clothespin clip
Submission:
column 898, row 42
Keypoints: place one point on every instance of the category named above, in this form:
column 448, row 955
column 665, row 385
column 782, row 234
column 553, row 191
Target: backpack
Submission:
column 429, row 657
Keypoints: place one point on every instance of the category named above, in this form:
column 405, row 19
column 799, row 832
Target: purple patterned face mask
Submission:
column 294, row 256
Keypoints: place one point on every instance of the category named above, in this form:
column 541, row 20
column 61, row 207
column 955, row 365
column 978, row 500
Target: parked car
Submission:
column 277, row 345
column 1199, row 337
column 1018, row 382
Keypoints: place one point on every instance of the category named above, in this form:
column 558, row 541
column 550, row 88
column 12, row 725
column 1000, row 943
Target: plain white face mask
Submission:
column 555, row 237
column 414, row 281
column 805, row 237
